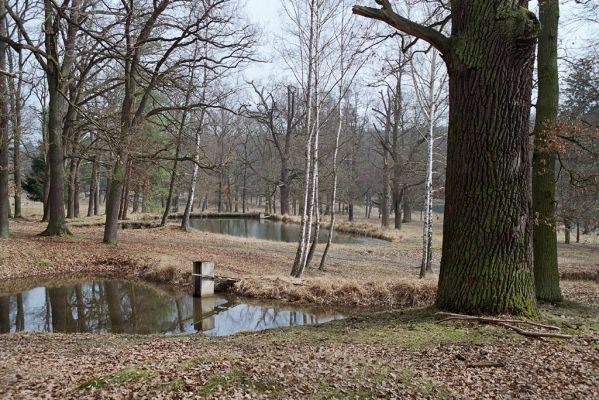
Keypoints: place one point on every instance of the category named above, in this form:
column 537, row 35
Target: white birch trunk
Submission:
column 427, row 233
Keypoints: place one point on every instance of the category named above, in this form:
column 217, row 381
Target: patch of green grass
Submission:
column 93, row 384
column 238, row 378
column 411, row 328
column 175, row 385
column 129, row 374
column 576, row 318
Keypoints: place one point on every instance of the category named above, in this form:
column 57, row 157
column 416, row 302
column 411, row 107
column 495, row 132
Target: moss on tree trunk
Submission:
column 486, row 265
column 543, row 167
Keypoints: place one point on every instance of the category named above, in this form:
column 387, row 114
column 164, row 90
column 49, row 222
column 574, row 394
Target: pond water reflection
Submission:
column 269, row 230
column 127, row 307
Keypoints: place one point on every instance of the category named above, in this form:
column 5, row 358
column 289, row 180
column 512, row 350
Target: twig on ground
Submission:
column 486, row 364
column 508, row 323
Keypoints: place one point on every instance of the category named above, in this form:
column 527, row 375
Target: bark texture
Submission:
column 486, row 264
column 543, row 161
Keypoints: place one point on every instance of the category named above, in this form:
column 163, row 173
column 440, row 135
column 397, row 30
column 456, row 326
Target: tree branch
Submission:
column 387, row 15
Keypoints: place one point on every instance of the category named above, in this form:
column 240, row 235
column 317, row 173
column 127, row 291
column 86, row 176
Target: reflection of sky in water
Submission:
column 268, row 230
column 112, row 306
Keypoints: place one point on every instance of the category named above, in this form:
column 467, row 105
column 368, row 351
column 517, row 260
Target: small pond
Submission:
column 127, row 307
column 270, row 230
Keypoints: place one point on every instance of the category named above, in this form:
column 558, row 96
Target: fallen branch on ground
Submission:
column 508, row 323
column 486, row 364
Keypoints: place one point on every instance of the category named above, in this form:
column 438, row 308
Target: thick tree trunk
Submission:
column 543, row 165
column 486, row 264
column 56, row 218
column 115, row 191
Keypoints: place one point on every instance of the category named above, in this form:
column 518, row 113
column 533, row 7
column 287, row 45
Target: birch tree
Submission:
column 430, row 93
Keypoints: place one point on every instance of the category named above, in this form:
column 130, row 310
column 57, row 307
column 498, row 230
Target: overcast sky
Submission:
column 266, row 14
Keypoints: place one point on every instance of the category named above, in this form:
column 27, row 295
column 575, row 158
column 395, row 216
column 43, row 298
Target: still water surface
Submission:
column 121, row 306
column 269, row 230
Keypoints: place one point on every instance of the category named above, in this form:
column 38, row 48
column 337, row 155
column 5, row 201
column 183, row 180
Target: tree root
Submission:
column 509, row 324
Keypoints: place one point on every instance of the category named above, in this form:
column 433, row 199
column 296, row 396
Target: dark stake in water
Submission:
column 115, row 306
column 269, row 230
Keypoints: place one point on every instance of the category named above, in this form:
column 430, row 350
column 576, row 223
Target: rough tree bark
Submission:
column 486, row 264
column 543, row 162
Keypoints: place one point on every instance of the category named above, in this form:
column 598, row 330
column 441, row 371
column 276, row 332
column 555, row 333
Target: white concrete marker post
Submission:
column 203, row 279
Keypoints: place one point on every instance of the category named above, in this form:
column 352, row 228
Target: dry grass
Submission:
column 334, row 292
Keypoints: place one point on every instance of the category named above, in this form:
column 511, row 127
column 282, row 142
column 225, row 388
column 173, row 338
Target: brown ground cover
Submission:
column 404, row 353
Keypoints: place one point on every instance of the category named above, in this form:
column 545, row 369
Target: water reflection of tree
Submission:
column 128, row 307
column 113, row 300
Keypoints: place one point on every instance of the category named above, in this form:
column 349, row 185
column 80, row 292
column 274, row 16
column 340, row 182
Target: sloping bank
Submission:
column 320, row 291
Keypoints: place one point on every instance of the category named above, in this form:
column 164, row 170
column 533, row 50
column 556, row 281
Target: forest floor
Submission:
column 403, row 353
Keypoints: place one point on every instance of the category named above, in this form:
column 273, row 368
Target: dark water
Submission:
column 269, row 230
column 116, row 306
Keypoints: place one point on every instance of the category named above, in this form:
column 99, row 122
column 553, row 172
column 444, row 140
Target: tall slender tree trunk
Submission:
column 427, row 230
column 16, row 128
column 72, row 184
column 543, row 165
column 4, row 98
column 77, row 192
column 124, row 206
column 298, row 263
column 333, row 198
column 194, row 180
column 171, row 186
column 92, row 187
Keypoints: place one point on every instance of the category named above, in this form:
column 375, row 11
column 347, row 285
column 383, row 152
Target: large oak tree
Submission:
column 486, row 265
